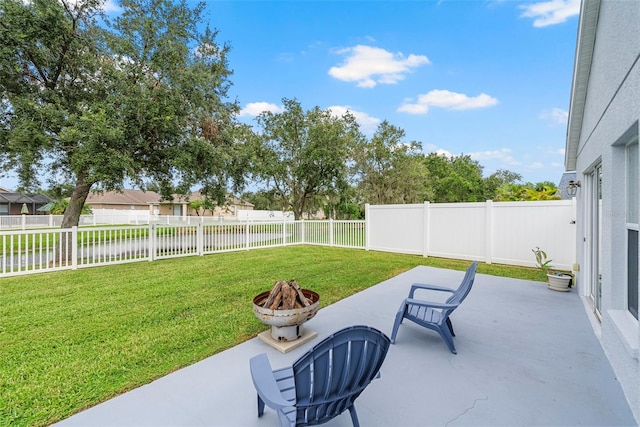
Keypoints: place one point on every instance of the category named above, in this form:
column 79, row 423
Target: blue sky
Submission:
column 490, row 79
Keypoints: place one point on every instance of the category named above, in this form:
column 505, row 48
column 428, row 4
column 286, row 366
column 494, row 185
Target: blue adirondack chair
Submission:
column 325, row 381
column 435, row 315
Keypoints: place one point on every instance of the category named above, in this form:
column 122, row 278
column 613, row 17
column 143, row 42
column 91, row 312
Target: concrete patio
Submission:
column 527, row 356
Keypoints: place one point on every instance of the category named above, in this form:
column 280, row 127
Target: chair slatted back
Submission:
column 463, row 290
column 333, row 373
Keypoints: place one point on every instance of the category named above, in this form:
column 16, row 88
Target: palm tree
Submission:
column 57, row 207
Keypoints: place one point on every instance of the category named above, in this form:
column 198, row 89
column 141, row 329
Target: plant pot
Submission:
column 559, row 282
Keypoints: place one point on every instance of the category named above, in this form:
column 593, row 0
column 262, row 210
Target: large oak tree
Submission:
column 455, row 179
column 100, row 102
column 303, row 155
column 390, row 170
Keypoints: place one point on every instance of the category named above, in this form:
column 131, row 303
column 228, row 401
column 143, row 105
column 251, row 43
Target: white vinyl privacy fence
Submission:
column 493, row 232
column 501, row 233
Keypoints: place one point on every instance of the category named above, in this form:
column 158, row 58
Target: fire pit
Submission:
column 286, row 324
column 285, row 308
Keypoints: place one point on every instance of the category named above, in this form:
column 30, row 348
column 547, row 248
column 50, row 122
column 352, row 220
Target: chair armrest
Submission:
column 430, row 303
column 417, row 286
column 265, row 382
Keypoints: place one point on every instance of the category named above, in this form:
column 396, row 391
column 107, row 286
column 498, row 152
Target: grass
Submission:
column 72, row 339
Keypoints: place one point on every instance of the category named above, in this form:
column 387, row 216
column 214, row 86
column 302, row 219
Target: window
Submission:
column 632, row 272
column 632, row 219
column 633, row 181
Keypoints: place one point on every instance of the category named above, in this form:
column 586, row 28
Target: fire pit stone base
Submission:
column 286, row 346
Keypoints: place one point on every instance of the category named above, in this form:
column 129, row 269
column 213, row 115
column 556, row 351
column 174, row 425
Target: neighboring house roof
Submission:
column 182, row 198
column 589, row 12
column 564, row 183
column 6, row 197
column 4, row 190
column 238, row 201
column 124, row 197
column 139, row 197
column 197, row 195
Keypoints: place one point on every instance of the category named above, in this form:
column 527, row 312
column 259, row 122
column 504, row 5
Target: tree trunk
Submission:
column 76, row 202
column 298, row 207
column 71, row 216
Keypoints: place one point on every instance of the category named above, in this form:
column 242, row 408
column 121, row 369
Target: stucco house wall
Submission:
column 609, row 122
column 233, row 205
column 129, row 199
column 125, row 200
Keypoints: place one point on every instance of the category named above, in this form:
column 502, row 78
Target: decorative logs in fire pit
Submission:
column 285, row 308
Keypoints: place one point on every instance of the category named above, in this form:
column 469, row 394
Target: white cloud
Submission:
column 256, row 108
column 432, row 148
column 368, row 124
column 286, row 56
column 536, row 165
column 559, row 151
column 447, row 100
column 556, row 116
column 503, row 154
column 111, row 6
column 443, row 152
column 413, row 109
column 551, row 12
column 370, row 66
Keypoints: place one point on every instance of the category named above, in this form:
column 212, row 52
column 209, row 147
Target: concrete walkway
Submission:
column 527, row 356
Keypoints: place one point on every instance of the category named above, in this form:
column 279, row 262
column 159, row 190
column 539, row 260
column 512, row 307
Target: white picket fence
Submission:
column 39, row 250
column 138, row 217
column 107, row 217
column 503, row 233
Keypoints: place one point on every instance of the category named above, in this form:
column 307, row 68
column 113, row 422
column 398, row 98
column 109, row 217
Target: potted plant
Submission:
column 557, row 280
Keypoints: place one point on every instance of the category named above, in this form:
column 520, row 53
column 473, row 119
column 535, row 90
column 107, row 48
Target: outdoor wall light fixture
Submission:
column 572, row 188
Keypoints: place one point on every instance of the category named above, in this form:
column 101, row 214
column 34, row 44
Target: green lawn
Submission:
column 72, row 339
